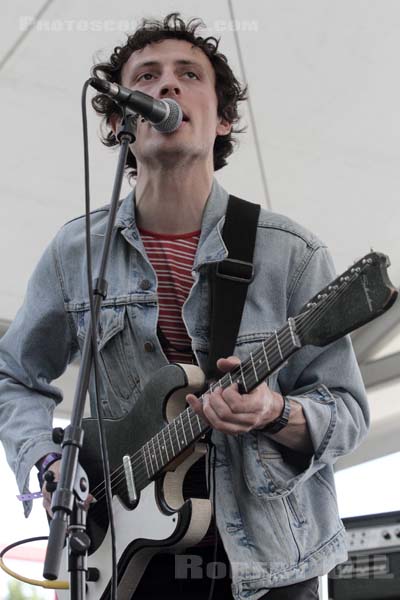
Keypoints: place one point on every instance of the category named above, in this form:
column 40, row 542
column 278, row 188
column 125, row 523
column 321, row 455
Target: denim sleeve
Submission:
column 35, row 350
column 325, row 380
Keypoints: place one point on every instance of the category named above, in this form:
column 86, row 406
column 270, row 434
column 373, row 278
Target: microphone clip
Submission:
column 127, row 126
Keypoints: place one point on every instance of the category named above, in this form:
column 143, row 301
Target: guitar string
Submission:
column 142, row 477
column 178, row 422
column 191, row 419
column 181, row 431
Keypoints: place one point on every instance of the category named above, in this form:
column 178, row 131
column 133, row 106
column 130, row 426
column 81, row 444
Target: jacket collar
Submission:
column 211, row 247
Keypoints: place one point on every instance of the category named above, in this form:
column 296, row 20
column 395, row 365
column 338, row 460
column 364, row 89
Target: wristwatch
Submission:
column 281, row 421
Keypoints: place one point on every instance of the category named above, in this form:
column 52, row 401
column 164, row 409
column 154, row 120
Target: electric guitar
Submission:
column 152, row 448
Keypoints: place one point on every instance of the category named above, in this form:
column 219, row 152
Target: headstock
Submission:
column 358, row 296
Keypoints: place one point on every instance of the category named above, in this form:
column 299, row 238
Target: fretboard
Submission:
column 188, row 427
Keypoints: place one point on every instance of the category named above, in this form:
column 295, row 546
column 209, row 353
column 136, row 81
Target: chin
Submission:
column 168, row 153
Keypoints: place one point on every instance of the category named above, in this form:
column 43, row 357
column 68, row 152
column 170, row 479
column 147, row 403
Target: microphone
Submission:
column 163, row 115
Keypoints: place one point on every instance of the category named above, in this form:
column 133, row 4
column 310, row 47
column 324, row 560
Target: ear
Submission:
column 224, row 127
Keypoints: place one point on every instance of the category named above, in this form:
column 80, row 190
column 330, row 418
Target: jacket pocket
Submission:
column 115, row 351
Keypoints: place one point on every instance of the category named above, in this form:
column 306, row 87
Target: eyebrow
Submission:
column 156, row 63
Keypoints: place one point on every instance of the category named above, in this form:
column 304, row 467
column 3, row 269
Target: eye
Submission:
column 191, row 75
column 145, row 77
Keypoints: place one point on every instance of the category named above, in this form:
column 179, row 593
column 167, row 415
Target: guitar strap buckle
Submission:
column 235, row 270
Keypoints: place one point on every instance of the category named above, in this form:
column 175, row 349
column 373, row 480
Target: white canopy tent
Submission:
column 323, row 112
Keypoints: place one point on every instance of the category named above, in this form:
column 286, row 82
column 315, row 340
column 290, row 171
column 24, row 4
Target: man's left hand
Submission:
column 231, row 412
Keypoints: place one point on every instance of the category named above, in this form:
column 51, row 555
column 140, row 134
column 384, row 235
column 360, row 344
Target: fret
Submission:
column 243, row 380
column 177, row 434
column 277, row 341
column 150, row 457
column 165, row 445
column 145, row 461
column 198, row 422
column 254, row 366
column 183, row 429
column 160, row 454
column 170, row 437
column 266, row 357
column 155, row 453
column 190, row 424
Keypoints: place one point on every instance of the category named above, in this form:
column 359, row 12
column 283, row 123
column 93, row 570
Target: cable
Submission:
column 24, row 34
column 211, row 474
column 52, row 585
column 251, row 111
column 93, row 319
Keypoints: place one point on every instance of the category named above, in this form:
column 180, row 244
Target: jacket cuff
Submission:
column 32, row 451
column 319, row 408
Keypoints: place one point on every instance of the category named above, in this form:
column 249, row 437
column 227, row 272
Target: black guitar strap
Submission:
column 229, row 279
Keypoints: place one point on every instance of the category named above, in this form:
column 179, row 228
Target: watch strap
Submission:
column 281, row 421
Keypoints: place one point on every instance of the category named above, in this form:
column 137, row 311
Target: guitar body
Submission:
column 160, row 519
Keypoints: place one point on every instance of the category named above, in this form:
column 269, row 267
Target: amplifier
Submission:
column 372, row 571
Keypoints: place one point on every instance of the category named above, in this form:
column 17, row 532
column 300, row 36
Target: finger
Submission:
column 244, row 403
column 224, row 425
column 219, row 414
column 226, row 364
column 196, row 404
column 89, row 500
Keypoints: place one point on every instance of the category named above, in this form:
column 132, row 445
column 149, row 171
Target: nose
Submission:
column 170, row 90
column 169, row 86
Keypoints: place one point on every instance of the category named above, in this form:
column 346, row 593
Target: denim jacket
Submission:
column 276, row 509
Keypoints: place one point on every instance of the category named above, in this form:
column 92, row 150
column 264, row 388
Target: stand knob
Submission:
column 79, row 542
column 58, row 435
column 92, row 574
column 50, row 483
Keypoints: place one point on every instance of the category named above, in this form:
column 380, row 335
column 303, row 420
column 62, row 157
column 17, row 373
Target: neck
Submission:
column 172, row 201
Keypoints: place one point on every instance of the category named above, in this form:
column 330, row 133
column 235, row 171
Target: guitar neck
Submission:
column 188, row 427
column 359, row 295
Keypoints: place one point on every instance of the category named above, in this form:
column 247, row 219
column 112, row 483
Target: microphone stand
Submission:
column 73, row 486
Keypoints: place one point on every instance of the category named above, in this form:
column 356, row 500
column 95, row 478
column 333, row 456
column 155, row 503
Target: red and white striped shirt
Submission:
column 172, row 258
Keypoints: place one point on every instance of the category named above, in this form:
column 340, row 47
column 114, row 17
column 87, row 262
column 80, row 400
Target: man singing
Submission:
column 275, row 518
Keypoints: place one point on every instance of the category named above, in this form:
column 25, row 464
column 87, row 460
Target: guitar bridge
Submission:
column 130, row 481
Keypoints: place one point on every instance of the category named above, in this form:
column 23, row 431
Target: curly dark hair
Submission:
column 228, row 89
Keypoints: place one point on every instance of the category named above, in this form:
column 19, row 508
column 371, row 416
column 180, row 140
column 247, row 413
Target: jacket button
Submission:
column 148, row 347
column 145, row 284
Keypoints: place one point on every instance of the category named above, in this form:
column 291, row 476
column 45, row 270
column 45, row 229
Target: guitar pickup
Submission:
column 130, row 481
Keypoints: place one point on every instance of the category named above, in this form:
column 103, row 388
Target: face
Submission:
column 175, row 69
